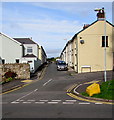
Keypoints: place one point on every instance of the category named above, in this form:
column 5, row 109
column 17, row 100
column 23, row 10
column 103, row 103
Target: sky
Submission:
column 50, row 24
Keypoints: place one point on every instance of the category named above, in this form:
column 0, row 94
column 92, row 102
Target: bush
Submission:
column 10, row 74
column 9, row 79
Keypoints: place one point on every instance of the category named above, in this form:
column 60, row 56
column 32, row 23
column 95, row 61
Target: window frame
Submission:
column 103, row 41
column 29, row 50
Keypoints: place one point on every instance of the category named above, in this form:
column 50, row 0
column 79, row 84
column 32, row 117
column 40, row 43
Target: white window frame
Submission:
column 29, row 50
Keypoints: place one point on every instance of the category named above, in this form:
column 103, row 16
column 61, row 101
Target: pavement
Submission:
column 15, row 84
column 73, row 91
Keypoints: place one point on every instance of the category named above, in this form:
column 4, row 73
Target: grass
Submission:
column 107, row 91
column 6, row 80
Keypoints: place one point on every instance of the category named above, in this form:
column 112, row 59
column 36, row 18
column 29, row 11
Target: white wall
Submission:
column 11, row 49
column 34, row 64
column 34, row 47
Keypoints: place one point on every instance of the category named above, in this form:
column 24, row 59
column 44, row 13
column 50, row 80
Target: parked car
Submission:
column 57, row 61
column 61, row 65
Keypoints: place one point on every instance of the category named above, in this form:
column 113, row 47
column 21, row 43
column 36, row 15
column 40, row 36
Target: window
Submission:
column 103, row 41
column 17, row 60
column 29, row 49
column 29, row 62
column 3, row 61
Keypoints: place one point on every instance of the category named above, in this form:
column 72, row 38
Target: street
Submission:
column 47, row 98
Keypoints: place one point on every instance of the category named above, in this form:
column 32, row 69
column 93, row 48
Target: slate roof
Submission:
column 25, row 40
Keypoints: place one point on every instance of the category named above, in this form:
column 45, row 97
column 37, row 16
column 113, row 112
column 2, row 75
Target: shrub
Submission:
column 9, row 79
column 10, row 74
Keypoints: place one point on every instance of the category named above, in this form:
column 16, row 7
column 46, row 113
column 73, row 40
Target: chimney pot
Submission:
column 101, row 15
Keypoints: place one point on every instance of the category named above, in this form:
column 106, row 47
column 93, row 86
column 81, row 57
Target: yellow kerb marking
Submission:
column 92, row 82
column 26, row 81
column 82, row 99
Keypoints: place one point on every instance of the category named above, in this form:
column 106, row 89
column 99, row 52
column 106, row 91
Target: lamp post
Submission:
column 104, row 17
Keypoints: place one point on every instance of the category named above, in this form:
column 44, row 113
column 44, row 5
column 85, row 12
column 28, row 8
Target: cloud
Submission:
column 52, row 26
column 53, row 52
column 57, row 1
column 48, row 33
column 47, row 23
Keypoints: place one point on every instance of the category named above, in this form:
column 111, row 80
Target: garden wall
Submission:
column 22, row 70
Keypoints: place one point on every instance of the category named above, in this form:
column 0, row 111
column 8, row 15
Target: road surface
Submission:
column 47, row 98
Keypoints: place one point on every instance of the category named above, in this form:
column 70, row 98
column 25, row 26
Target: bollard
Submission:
column 93, row 89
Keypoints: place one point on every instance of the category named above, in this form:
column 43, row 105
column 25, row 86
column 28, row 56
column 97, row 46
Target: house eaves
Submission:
column 43, row 51
column 29, row 55
column 25, row 40
column 10, row 38
column 88, row 27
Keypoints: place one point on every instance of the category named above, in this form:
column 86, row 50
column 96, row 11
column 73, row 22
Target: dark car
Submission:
column 61, row 65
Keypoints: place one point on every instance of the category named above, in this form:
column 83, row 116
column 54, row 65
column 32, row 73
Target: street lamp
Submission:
column 104, row 17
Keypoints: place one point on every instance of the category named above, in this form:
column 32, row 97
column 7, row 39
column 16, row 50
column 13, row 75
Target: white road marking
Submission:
column 26, row 102
column 14, row 102
column 52, row 102
column 26, row 95
column 47, row 82
column 55, row 100
column 20, row 100
column 43, row 100
column 84, row 103
column 35, row 90
column 31, row 100
column 39, row 102
column 98, row 103
column 68, row 102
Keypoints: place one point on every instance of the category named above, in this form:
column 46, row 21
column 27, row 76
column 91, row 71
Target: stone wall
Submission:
column 22, row 70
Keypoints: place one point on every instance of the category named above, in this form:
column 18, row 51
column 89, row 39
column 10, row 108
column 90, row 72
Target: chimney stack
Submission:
column 101, row 15
column 85, row 26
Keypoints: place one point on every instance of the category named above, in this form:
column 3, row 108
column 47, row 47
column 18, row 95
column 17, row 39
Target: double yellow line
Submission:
column 25, row 84
column 71, row 88
column 69, row 93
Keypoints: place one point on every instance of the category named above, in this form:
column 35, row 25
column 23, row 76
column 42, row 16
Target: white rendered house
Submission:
column 19, row 50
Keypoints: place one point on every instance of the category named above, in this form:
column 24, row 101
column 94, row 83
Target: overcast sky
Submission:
column 50, row 24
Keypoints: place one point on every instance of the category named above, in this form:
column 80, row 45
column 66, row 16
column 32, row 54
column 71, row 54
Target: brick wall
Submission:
column 22, row 70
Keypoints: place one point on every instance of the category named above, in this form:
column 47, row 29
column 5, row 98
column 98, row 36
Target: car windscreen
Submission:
column 61, row 63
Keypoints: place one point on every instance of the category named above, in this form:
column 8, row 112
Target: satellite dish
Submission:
column 82, row 41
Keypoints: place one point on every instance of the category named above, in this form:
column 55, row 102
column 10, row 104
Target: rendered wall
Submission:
column 91, row 53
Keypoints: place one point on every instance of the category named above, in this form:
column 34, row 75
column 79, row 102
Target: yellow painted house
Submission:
column 88, row 47
column 42, row 55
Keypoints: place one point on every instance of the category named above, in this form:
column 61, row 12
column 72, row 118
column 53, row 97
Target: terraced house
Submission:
column 21, row 50
column 85, row 51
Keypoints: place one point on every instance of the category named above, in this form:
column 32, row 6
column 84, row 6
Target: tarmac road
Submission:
column 47, row 98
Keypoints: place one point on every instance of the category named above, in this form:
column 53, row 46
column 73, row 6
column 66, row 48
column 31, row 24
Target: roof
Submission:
column 10, row 38
column 89, row 26
column 25, row 40
column 29, row 55
column 81, row 31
